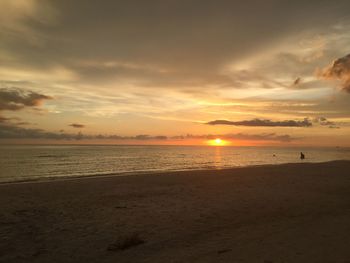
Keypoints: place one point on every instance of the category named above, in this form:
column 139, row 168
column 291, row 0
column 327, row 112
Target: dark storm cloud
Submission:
column 264, row 123
column 339, row 70
column 15, row 99
column 77, row 125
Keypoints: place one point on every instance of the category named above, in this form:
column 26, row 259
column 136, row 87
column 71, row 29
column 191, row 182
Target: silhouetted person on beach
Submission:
column 302, row 156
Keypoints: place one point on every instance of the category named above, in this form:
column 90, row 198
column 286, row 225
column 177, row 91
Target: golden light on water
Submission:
column 218, row 142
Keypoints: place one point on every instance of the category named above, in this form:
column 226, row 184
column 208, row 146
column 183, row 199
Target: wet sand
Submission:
column 282, row 213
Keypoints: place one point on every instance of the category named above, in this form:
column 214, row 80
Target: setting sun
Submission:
column 217, row 142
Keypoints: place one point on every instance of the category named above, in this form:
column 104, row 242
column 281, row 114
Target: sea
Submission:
column 42, row 162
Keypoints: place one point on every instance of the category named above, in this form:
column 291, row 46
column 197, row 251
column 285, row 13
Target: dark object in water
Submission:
column 302, row 156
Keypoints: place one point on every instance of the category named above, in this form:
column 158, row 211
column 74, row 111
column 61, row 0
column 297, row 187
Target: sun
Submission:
column 217, row 142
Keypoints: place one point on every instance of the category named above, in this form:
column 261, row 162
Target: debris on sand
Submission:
column 126, row 243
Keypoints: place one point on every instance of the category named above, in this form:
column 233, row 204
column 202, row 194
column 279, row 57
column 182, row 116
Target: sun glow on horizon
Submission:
column 217, row 142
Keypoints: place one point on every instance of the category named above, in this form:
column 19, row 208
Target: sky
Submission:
column 175, row 72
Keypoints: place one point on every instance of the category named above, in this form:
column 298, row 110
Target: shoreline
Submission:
column 151, row 173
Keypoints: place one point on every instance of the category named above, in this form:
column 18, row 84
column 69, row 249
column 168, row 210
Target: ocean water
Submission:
column 25, row 163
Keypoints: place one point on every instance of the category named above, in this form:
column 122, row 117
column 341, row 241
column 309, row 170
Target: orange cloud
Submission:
column 339, row 70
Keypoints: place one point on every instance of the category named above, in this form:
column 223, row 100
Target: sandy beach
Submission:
column 281, row 213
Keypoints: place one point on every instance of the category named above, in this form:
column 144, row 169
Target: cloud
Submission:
column 333, row 127
column 263, row 137
column 264, row 123
column 241, row 136
column 339, row 70
column 77, row 125
column 154, row 50
column 297, row 81
column 10, row 131
column 15, row 99
column 16, row 15
column 4, row 119
column 323, row 121
column 170, row 54
column 23, row 123
column 14, row 121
